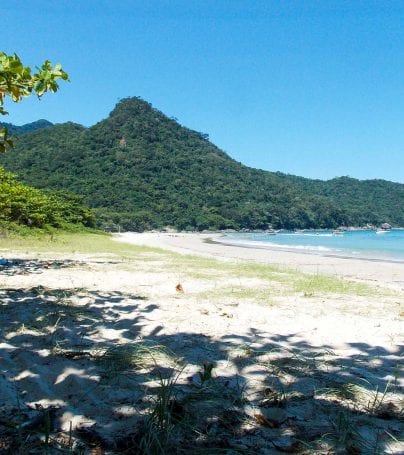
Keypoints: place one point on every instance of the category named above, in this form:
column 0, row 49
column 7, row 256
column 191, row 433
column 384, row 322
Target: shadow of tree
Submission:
column 18, row 266
column 78, row 371
column 28, row 266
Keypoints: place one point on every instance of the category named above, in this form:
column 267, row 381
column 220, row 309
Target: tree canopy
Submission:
column 24, row 205
column 17, row 81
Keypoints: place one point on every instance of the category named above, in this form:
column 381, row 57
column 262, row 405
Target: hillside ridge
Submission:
column 142, row 170
column 27, row 127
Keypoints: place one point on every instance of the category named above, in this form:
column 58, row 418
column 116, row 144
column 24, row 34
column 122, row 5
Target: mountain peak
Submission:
column 131, row 106
column 133, row 116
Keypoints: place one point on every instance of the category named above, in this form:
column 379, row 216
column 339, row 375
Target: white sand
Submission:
column 359, row 338
column 385, row 274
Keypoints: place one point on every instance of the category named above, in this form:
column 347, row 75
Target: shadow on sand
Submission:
column 94, row 372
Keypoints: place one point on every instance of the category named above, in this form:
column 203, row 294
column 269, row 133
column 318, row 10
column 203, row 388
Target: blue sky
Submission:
column 312, row 88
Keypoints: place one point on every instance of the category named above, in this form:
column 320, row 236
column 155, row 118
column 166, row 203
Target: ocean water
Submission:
column 388, row 246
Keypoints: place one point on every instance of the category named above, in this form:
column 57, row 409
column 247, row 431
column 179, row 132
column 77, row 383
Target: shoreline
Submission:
column 272, row 247
column 374, row 272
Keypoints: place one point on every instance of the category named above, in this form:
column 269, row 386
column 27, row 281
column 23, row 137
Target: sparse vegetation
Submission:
column 158, row 388
column 134, row 357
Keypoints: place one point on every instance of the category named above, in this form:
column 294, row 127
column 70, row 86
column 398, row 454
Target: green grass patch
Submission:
column 277, row 280
column 312, row 285
column 66, row 242
column 206, row 267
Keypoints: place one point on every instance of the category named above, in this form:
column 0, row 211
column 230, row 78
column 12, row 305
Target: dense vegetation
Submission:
column 142, row 170
column 21, row 205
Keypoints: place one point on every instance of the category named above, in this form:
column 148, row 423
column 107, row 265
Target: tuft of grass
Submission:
column 343, row 391
column 173, row 418
column 137, row 356
column 348, row 437
column 382, row 403
column 294, row 363
column 159, row 426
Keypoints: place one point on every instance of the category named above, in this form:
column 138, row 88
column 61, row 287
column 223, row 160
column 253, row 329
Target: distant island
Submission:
column 141, row 170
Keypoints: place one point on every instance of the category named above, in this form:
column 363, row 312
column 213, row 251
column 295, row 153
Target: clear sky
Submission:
column 312, row 88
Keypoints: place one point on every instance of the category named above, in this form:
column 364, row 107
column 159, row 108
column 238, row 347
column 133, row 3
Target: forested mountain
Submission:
column 15, row 130
column 143, row 170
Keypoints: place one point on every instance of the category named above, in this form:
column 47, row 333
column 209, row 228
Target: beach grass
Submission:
column 276, row 280
column 85, row 243
column 310, row 285
column 190, row 395
column 135, row 356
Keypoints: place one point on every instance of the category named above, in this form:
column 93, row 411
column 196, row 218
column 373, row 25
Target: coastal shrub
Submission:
column 27, row 206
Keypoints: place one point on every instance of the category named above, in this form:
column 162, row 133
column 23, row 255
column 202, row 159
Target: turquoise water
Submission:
column 361, row 244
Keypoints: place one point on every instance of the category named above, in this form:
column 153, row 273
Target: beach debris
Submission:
column 179, row 288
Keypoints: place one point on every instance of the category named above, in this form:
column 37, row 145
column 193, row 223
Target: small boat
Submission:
column 382, row 231
column 385, row 227
column 337, row 232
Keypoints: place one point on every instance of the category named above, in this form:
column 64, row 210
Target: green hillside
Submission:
column 21, row 205
column 140, row 169
column 364, row 201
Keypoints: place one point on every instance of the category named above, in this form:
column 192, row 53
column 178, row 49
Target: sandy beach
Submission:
column 385, row 274
column 262, row 352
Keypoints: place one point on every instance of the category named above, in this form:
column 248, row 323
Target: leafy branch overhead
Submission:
column 17, row 82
